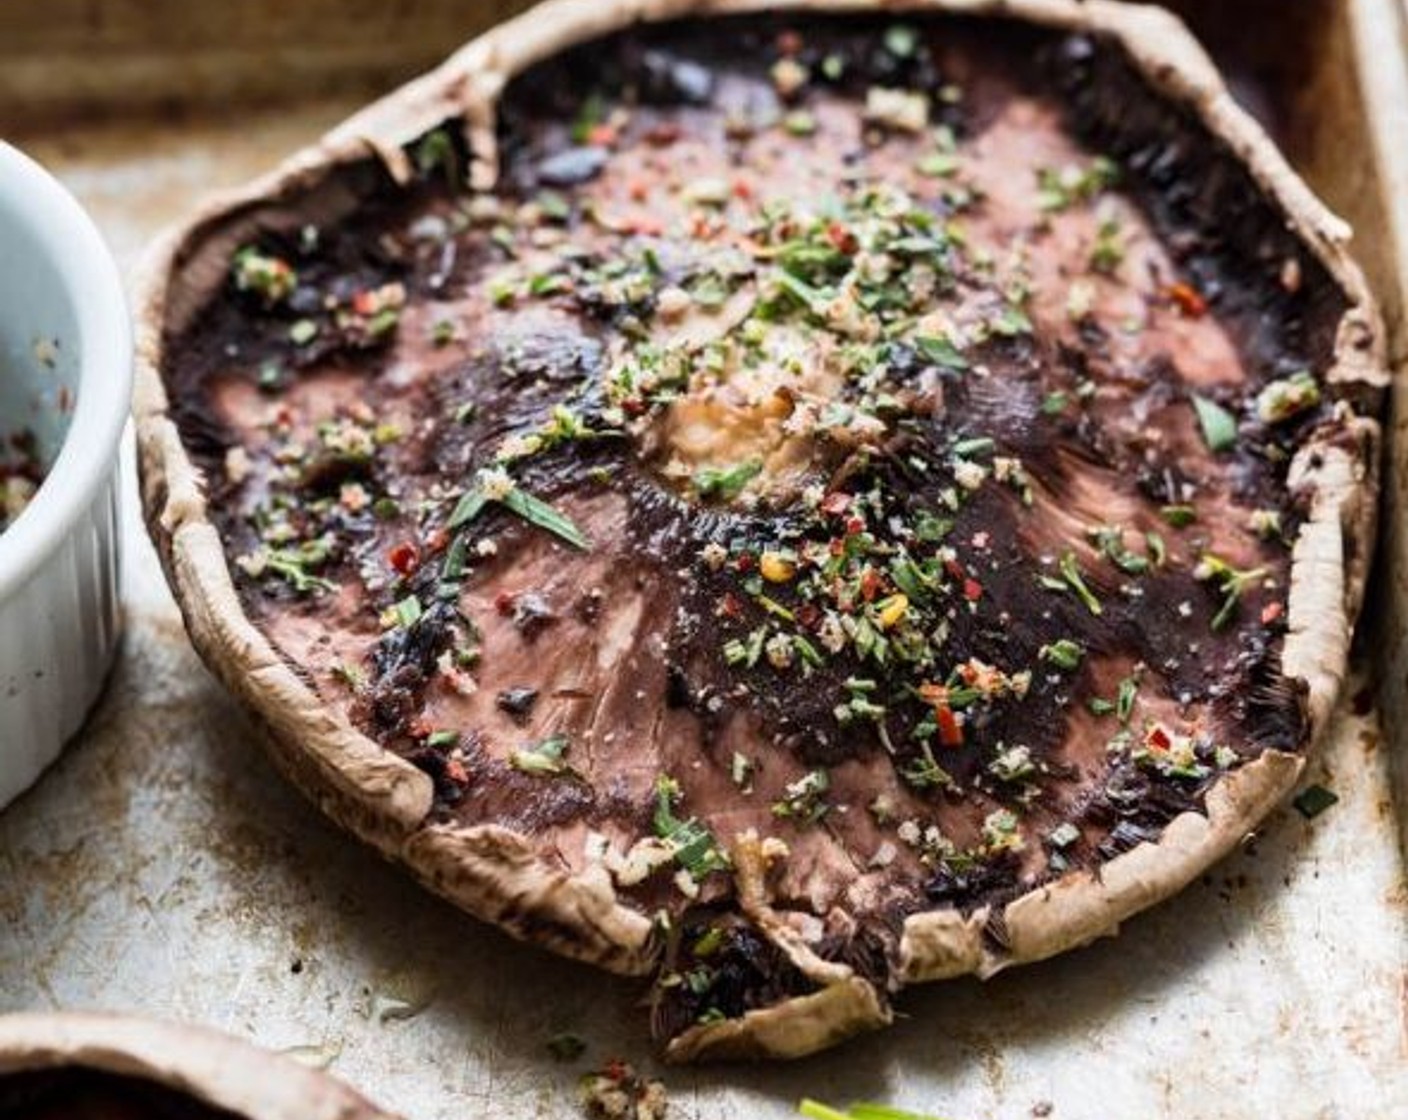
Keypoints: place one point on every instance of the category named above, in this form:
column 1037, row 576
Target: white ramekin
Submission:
column 65, row 335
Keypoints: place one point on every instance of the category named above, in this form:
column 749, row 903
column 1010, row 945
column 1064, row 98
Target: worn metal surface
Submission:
column 163, row 866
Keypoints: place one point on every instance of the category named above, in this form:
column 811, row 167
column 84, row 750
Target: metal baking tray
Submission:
column 163, row 866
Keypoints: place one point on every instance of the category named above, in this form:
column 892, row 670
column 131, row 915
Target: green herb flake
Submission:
column 1124, row 703
column 1314, row 800
column 1219, row 426
column 1178, row 517
column 694, row 845
column 539, row 513
column 566, row 1047
column 901, row 40
column 937, row 165
column 726, row 483
column 805, row 799
column 1075, row 580
column 940, row 351
column 547, row 757
column 1055, row 403
column 408, row 611
column 303, row 332
column 1063, row 653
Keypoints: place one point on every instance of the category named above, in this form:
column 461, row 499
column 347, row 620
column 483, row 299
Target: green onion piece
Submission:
column 1219, row 426
column 1063, row 653
column 1071, row 573
column 549, row 756
column 545, row 517
column 1124, row 705
column 725, row 483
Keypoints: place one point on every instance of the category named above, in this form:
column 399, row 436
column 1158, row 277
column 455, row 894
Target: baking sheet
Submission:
column 163, row 866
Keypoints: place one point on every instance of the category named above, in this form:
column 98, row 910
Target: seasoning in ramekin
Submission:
column 20, row 475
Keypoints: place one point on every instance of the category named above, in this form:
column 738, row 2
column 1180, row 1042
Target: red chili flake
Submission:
column 854, row 525
column 809, row 616
column 836, row 547
column 420, row 730
column 745, row 562
column 602, row 135
column 638, row 189
column 869, row 584
column 616, row 1070
column 1271, row 612
column 633, row 406
column 954, row 569
column 835, row 503
column 1188, row 299
column 1158, row 740
column 455, row 771
column 504, row 601
column 972, row 590
column 729, row 606
column 742, row 188
column 950, row 730
column 789, row 43
column 364, row 302
column 842, row 238
column 404, row 557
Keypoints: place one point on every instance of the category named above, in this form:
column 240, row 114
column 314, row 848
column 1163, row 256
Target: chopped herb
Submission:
column 436, row 152
column 940, row 351
column 937, row 165
column 1107, row 254
column 518, row 501
column 924, row 772
column 725, row 483
column 1124, row 703
column 1111, row 542
column 1282, row 400
column 443, row 739
column 804, row 799
column 1061, row 188
column 1063, row 835
column 1075, row 580
column 1179, row 517
column 901, row 40
column 1314, row 800
column 799, row 122
column 303, row 332
column 1232, row 582
column 1063, row 653
column 1219, row 426
column 566, row 1047
column 1055, row 403
column 408, row 611
column 546, row 757
column 267, row 276
column 815, row 1110
column 694, row 846
column 545, row 517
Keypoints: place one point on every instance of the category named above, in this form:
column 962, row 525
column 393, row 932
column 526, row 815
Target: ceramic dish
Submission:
column 86, row 1066
column 65, row 375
